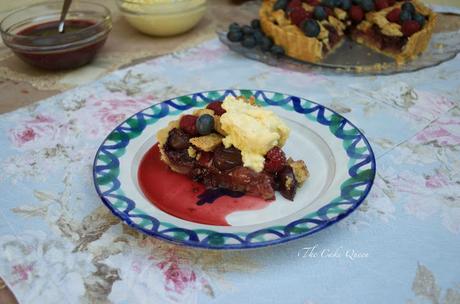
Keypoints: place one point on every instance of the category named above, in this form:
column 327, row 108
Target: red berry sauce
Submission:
column 46, row 34
column 181, row 197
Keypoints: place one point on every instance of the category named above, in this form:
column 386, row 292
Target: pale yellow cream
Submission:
column 253, row 130
column 163, row 17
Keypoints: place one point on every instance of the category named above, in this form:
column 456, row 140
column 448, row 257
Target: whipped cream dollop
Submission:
column 251, row 129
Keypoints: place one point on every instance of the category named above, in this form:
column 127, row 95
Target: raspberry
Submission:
column 205, row 158
column 294, row 4
column 391, row 2
column 356, row 13
column 381, row 4
column 216, row 106
column 275, row 160
column 298, row 15
column 393, row 15
column 188, row 124
column 410, row 27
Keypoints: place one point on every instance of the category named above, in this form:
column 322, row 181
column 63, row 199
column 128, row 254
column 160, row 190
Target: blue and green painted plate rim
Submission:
column 216, row 240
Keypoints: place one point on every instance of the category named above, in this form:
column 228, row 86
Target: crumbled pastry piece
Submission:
column 300, row 170
column 392, row 30
column 378, row 19
column 364, row 26
column 337, row 24
column 207, row 143
column 340, row 13
column 191, row 152
column 324, row 33
column 388, row 28
column 307, row 7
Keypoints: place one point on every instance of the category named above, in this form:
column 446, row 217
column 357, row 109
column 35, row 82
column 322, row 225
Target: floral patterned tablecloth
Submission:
column 59, row 244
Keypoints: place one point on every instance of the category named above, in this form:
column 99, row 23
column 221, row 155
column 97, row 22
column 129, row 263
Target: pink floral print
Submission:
column 32, row 130
column 177, row 277
column 22, row 272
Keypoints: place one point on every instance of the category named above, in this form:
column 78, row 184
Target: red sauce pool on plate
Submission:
column 181, row 197
column 46, row 35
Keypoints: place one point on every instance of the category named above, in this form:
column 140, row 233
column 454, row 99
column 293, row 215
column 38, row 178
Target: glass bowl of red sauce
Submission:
column 32, row 34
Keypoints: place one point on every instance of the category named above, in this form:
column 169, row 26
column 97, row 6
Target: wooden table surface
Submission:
column 21, row 85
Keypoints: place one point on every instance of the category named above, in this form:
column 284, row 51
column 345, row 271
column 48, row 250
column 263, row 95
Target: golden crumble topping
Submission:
column 206, row 143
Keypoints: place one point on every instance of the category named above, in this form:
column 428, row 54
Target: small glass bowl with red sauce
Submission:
column 32, row 34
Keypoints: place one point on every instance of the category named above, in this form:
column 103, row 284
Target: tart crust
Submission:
column 162, row 137
column 294, row 42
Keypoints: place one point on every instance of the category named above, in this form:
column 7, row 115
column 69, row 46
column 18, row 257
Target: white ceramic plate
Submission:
column 339, row 158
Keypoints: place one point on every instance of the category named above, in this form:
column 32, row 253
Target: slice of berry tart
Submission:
column 234, row 145
column 401, row 31
column 309, row 30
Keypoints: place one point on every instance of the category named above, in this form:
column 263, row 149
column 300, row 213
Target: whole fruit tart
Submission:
column 310, row 30
column 236, row 145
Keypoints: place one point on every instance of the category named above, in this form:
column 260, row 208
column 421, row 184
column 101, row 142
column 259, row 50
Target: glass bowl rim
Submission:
column 107, row 17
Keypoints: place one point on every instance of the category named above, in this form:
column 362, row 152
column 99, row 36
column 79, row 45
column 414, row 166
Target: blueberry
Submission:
column 405, row 16
column 367, row 5
column 258, row 35
column 235, row 36
column 247, row 30
column 357, row 2
column 337, row 3
column 319, row 13
column 277, row 51
column 280, row 4
column 407, row 6
column 234, row 27
column 420, row 19
column 346, row 4
column 266, row 44
column 249, row 42
column 311, row 28
column 328, row 3
column 255, row 24
column 205, row 124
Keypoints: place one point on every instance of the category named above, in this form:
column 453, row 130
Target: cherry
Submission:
column 227, row 158
column 178, row 139
column 287, row 183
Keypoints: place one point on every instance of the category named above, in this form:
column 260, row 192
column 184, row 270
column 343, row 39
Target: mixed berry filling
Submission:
column 383, row 42
column 407, row 17
column 223, row 167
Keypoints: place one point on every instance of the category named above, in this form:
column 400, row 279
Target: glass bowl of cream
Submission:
column 162, row 17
